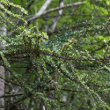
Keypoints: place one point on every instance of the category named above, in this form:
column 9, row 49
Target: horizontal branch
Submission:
column 101, row 47
column 10, row 95
column 25, row 54
column 71, row 58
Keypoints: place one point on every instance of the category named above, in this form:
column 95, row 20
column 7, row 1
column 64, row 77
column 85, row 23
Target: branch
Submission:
column 29, row 5
column 41, row 11
column 101, row 47
column 55, row 20
column 69, row 57
column 85, row 87
column 10, row 95
column 48, row 53
column 36, row 16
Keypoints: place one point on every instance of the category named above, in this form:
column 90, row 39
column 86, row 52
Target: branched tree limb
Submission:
column 36, row 16
column 41, row 11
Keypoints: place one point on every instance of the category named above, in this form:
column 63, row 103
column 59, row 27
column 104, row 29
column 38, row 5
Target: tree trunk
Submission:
column 2, row 87
column 2, row 69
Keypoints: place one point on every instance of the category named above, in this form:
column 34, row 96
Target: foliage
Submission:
column 66, row 70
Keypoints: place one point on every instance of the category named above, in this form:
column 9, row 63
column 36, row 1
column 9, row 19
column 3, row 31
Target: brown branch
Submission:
column 73, row 27
column 101, row 47
column 70, row 58
column 10, row 95
column 97, row 85
column 25, row 53
column 29, row 5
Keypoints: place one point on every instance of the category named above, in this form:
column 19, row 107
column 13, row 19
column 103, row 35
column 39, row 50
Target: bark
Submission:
column 41, row 11
column 2, row 71
column 36, row 16
column 53, row 26
column 2, row 87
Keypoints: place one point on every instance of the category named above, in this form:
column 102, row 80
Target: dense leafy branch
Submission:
column 70, row 65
